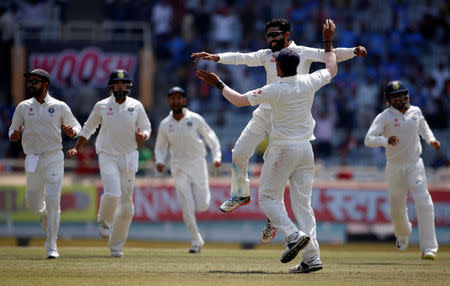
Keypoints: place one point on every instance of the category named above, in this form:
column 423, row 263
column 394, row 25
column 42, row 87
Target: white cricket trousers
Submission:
column 116, row 204
column 192, row 188
column 293, row 162
column 400, row 179
column 257, row 129
column 43, row 193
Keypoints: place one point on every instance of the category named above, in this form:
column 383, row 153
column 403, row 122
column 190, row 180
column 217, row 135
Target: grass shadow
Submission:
column 243, row 272
column 372, row 263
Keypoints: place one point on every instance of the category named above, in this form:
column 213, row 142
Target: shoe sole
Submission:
column 292, row 253
column 308, row 270
column 227, row 211
column 267, row 241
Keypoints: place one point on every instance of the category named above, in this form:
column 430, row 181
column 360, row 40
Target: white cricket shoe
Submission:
column 268, row 233
column 44, row 221
column 428, row 254
column 104, row 230
column 311, row 265
column 298, row 241
column 116, row 253
column 234, row 202
column 402, row 243
column 195, row 249
column 52, row 254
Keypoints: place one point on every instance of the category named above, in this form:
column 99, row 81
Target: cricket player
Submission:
column 258, row 128
column 397, row 129
column 124, row 124
column 289, row 155
column 180, row 131
column 38, row 121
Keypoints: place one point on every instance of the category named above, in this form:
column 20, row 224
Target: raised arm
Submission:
column 329, row 57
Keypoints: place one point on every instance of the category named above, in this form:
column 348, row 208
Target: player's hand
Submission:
column 72, row 153
column 209, row 77
column 140, row 137
column 68, row 130
column 205, row 56
column 160, row 167
column 360, row 51
column 15, row 136
column 328, row 30
column 436, row 145
column 393, row 140
column 217, row 163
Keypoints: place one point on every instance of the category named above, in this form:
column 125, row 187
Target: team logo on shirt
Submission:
column 189, row 123
column 396, row 124
column 51, row 110
column 130, row 109
column 30, row 111
column 171, row 128
column 256, row 93
column 414, row 117
column 110, row 111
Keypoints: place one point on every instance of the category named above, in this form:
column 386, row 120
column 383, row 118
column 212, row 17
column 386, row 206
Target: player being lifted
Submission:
column 289, row 156
column 258, row 128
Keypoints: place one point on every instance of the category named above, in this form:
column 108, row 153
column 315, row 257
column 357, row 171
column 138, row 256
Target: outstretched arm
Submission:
column 205, row 56
column 230, row 94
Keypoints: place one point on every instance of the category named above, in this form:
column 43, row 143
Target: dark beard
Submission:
column 278, row 47
column 177, row 110
column 121, row 93
column 399, row 106
column 34, row 93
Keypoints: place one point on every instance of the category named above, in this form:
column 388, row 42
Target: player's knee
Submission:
column 126, row 210
column 397, row 212
column 202, row 206
column 32, row 207
column 422, row 199
column 264, row 201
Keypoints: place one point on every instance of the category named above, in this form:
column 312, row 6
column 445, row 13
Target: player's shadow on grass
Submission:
column 243, row 272
column 371, row 263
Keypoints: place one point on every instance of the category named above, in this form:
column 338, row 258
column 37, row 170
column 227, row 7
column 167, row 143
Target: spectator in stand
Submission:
column 162, row 17
column 325, row 116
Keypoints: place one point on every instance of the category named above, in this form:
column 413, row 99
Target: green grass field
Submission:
column 151, row 263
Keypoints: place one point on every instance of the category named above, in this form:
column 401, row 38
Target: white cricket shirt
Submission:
column 406, row 127
column 264, row 57
column 42, row 124
column 183, row 139
column 119, row 124
column 291, row 99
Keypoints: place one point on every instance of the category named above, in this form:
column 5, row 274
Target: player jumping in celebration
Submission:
column 289, row 155
column 258, row 128
column 397, row 129
column 180, row 131
column 38, row 121
column 124, row 124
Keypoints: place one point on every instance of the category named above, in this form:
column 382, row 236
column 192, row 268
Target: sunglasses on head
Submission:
column 33, row 81
column 274, row 34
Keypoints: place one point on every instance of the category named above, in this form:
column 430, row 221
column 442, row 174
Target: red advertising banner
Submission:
column 90, row 64
column 371, row 206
